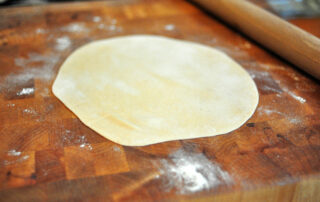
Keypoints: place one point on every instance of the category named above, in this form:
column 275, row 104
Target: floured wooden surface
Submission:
column 143, row 89
column 46, row 149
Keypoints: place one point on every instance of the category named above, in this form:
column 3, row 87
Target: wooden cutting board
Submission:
column 46, row 153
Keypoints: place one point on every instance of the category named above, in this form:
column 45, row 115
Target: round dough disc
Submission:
column 140, row 90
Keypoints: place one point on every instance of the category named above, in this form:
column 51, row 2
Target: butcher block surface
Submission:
column 46, row 153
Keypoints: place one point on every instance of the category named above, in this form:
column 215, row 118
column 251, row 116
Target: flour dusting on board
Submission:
column 296, row 97
column 30, row 111
column 19, row 160
column 292, row 117
column 69, row 138
column 112, row 28
column 40, row 31
column 190, row 172
column 13, row 152
column 268, row 84
column 110, row 25
column 84, row 142
column 296, row 120
column 86, row 146
column 63, row 43
column 268, row 111
column 169, row 27
column 292, row 94
column 96, row 19
column 75, row 27
column 113, row 21
column 116, row 149
column 26, row 91
column 35, row 66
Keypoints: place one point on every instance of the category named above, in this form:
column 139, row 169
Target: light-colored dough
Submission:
column 141, row 90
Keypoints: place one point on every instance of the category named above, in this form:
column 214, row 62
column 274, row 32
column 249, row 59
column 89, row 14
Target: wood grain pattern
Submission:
column 47, row 154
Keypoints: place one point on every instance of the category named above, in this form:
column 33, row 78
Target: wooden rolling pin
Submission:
column 283, row 38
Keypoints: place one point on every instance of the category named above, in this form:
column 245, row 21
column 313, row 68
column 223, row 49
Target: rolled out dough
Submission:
column 140, row 90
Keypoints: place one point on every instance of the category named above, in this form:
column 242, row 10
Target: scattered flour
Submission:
column 44, row 92
column 264, row 66
column 75, row 27
column 29, row 111
column 13, row 152
column 291, row 117
column 295, row 120
column 293, row 95
column 192, row 172
column 212, row 41
column 300, row 99
column 26, row 91
column 35, row 66
column 101, row 26
column 267, row 111
column 70, row 138
column 44, row 172
column 40, row 31
column 6, row 163
column 24, row 158
column 116, row 149
column 169, row 27
column 113, row 21
column 96, row 19
column 86, row 146
column 268, row 84
column 258, row 74
column 112, row 27
column 63, row 43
